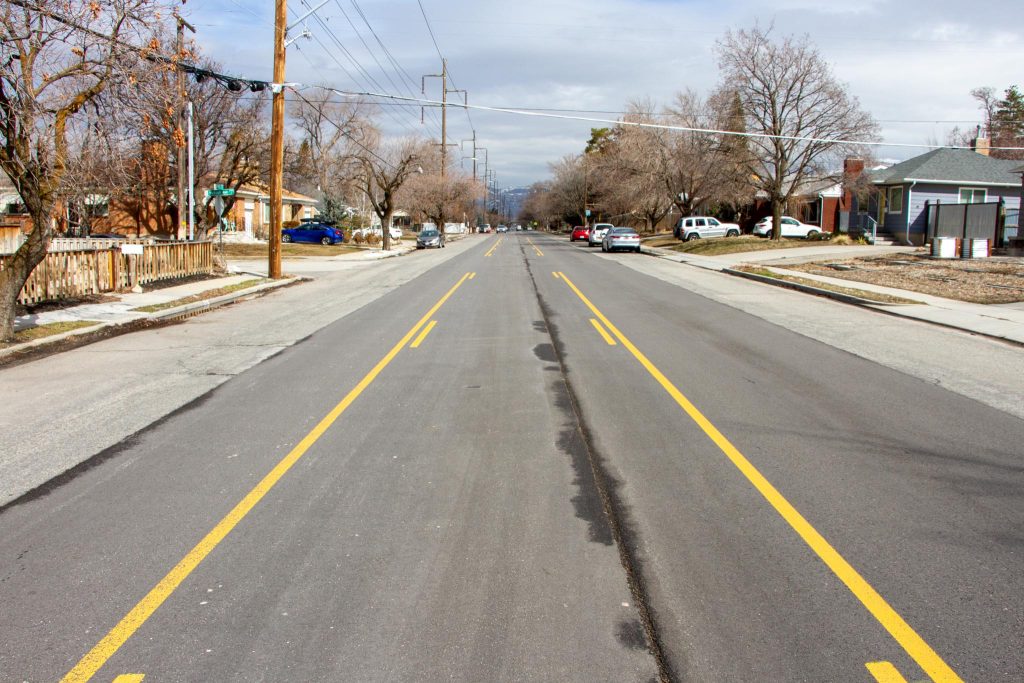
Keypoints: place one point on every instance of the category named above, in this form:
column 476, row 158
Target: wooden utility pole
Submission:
column 182, row 122
column 277, row 142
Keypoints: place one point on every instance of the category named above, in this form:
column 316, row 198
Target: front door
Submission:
column 250, row 207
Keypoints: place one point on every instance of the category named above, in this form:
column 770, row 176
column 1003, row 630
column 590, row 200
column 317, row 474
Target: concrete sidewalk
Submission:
column 1000, row 321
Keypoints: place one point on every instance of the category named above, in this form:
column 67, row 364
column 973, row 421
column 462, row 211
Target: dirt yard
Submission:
column 997, row 280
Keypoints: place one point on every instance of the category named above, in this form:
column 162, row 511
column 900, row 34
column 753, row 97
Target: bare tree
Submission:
column 440, row 198
column 56, row 58
column 383, row 168
column 802, row 118
column 570, row 187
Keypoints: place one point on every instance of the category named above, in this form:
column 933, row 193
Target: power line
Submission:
column 660, row 126
column 430, row 30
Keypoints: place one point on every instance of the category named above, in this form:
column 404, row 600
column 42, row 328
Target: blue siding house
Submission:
column 947, row 176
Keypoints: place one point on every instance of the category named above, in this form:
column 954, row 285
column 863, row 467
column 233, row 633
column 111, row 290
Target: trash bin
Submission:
column 974, row 248
column 944, row 247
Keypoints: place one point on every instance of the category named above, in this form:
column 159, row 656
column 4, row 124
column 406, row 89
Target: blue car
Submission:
column 313, row 232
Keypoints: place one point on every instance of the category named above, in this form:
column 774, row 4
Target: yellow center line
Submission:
column 555, row 274
column 423, row 335
column 535, row 247
column 885, row 672
column 491, row 251
column 472, row 275
column 900, row 630
column 129, row 678
column 600, row 330
column 98, row 655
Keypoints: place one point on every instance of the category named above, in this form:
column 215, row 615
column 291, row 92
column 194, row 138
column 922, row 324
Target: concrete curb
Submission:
column 187, row 309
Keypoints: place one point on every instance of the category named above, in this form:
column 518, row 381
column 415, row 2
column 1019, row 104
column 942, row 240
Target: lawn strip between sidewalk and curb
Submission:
column 846, row 294
column 202, row 296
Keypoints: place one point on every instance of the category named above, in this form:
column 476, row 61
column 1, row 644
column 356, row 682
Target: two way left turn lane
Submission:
column 403, row 496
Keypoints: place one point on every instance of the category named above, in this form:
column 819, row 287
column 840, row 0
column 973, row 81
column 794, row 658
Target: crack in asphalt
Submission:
column 576, row 441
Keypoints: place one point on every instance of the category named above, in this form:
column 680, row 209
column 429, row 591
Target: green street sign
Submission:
column 220, row 191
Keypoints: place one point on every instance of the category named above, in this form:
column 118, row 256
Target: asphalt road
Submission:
column 532, row 462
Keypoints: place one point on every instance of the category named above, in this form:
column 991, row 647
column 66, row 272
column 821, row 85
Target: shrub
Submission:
column 359, row 238
column 373, row 239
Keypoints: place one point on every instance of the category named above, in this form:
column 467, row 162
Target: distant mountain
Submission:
column 515, row 196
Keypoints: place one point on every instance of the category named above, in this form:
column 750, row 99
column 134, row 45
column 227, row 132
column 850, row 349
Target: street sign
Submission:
column 220, row 191
column 131, row 249
column 588, row 213
column 218, row 205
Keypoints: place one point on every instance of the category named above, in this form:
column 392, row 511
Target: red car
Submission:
column 580, row 233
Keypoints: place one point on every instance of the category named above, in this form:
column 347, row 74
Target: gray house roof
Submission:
column 952, row 166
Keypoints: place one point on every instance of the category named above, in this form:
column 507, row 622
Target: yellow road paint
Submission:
column 131, row 622
column 472, row 275
column 496, row 245
column 535, row 247
column 555, row 274
column 884, row 672
column 129, row 678
column 423, row 335
column 900, row 630
column 601, row 331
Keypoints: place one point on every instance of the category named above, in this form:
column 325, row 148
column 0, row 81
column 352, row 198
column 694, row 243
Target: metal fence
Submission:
column 964, row 221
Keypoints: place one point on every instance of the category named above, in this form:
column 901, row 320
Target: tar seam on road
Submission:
column 913, row 644
column 95, row 658
column 613, row 507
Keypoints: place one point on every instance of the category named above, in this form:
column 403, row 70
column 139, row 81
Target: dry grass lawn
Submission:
column 48, row 330
column 247, row 251
column 997, row 280
column 726, row 245
column 202, row 296
column 849, row 291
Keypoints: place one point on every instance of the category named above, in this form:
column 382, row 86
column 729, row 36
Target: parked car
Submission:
column 580, row 233
column 791, row 227
column 313, row 232
column 621, row 238
column 697, row 227
column 597, row 233
column 430, row 237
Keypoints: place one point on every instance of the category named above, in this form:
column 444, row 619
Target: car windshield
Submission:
column 428, row 233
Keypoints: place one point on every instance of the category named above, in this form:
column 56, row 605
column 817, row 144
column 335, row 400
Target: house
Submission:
column 250, row 213
column 904, row 192
column 816, row 202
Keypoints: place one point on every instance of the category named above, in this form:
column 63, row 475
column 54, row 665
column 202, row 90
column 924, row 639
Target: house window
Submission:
column 308, row 213
column 266, row 214
column 895, row 201
column 16, row 207
column 973, row 195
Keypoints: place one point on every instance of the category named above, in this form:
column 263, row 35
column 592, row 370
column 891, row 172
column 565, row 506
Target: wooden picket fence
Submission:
column 75, row 274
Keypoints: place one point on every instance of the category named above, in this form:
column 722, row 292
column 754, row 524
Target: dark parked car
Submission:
column 313, row 232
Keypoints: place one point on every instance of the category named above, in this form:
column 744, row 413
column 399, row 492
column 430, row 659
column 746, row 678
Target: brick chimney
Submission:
column 980, row 145
column 852, row 170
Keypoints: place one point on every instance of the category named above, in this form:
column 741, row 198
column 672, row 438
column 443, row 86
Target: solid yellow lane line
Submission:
column 885, row 672
column 423, row 335
column 556, row 274
column 535, row 247
column 472, row 275
column 98, row 655
column 601, row 331
column 491, row 251
column 900, row 630
column 129, row 678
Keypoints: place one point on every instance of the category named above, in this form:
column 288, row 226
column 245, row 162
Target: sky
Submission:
column 911, row 63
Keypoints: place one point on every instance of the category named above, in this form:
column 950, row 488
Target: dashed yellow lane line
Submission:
column 885, row 672
column 472, row 275
column 98, row 655
column 496, row 245
column 423, row 335
column 600, row 330
column 929, row 661
column 129, row 678
column 535, row 247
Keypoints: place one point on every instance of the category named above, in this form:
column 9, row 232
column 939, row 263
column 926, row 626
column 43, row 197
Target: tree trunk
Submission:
column 385, row 228
column 776, row 218
column 20, row 265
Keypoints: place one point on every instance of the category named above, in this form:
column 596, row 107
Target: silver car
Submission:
column 621, row 238
column 597, row 233
column 430, row 237
column 696, row 227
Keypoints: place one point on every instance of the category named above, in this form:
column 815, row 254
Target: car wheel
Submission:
column 733, row 233
column 692, row 236
column 286, row 238
column 637, row 250
column 813, row 234
column 325, row 240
